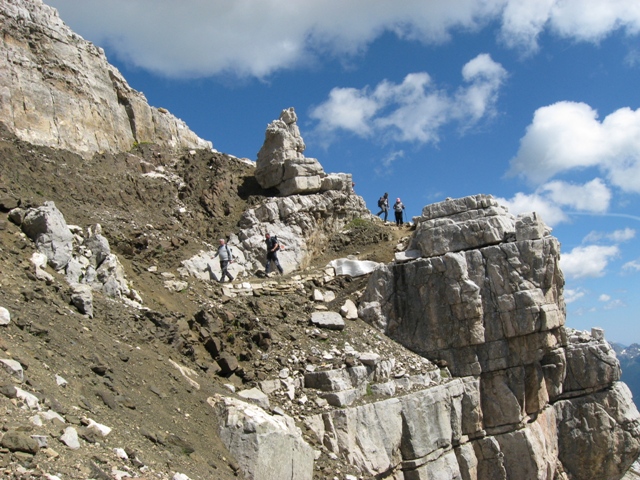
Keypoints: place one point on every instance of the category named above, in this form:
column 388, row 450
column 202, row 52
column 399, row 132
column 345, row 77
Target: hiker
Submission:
column 272, row 253
column 225, row 259
column 398, row 207
column 383, row 203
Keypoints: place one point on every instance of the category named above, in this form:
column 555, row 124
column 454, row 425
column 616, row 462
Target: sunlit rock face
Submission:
column 58, row 90
column 281, row 163
column 486, row 299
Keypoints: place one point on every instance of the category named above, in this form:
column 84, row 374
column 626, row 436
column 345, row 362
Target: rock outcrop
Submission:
column 86, row 262
column 282, row 164
column 485, row 299
column 58, row 90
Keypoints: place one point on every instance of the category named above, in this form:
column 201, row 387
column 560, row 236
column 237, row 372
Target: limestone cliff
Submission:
column 485, row 299
column 58, row 90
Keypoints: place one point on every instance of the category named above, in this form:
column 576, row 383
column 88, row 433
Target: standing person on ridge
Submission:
column 224, row 254
column 383, row 203
column 272, row 254
column 398, row 208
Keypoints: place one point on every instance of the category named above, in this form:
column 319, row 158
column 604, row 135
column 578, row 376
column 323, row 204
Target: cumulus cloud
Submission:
column 604, row 298
column 259, row 37
column 588, row 261
column 414, row 110
column 571, row 295
column 617, row 303
column 567, row 136
column 632, row 266
column 617, row 236
column 550, row 213
column 549, row 199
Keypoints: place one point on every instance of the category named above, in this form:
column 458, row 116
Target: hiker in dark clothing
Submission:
column 272, row 253
column 224, row 254
column 383, row 203
column 398, row 208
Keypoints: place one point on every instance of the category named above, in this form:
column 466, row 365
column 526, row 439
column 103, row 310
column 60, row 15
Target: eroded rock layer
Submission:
column 58, row 90
column 483, row 296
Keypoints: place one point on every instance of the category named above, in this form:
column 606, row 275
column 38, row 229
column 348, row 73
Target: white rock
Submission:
column 5, row 316
column 349, row 310
column 14, row 368
column 180, row 476
column 70, row 438
column 120, row 453
column 98, row 428
column 256, row 397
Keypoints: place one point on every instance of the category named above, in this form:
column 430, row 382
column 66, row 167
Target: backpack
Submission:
column 381, row 202
column 274, row 240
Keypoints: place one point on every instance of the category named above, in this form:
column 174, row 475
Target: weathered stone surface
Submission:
column 590, row 366
column 48, row 229
column 13, row 367
column 70, row 438
column 5, row 317
column 265, row 446
column 63, row 93
column 330, row 320
column 486, row 300
column 99, row 247
column 82, row 298
column 282, row 164
column 598, row 434
column 409, row 431
column 472, row 308
column 349, row 310
column 19, row 442
column 532, row 452
column 302, row 223
column 461, row 224
column 255, row 396
column 529, row 226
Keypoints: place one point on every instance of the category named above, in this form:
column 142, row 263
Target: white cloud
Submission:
column 549, row 212
column 571, row 295
column 593, row 196
column 617, row 236
column 633, row 266
column 414, row 110
column 259, row 37
column 567, row 136
column 583, row 20
column 588, row 261
column 549, row 199
column 392, row 157
column 604, row 298
column 348, row 109
column 617, row 303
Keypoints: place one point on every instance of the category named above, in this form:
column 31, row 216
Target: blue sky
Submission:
column 536, row 103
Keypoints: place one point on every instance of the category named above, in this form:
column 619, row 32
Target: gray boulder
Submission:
column 265, row 446
column 47, row 227
column 282, row 164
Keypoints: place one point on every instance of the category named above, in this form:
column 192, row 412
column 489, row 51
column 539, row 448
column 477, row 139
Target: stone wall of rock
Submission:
column 58, row 90
column 482, row 293
column 302, row 224
column 282, row 164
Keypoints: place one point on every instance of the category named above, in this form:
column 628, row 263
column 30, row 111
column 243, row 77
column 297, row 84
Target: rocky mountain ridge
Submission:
column 439, row 352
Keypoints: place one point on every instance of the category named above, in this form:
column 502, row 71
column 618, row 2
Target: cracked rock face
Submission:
column 64, row 94
column 484, row 295
column 282, row 164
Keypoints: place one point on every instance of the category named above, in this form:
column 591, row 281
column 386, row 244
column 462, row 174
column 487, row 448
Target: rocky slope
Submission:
column 434, row 353
column 50, row 77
